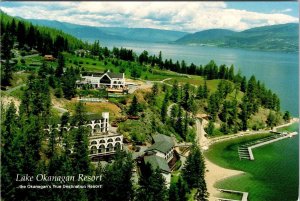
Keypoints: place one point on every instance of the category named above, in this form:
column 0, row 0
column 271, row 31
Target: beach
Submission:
column 216, row 173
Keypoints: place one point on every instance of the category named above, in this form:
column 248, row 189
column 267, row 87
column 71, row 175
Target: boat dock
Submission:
column 244, row 195
column 245, row 151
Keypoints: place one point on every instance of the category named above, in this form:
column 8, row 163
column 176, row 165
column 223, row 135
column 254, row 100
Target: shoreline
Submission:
column 215, row 173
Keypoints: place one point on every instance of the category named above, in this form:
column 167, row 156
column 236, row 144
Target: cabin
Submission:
column 108, row 79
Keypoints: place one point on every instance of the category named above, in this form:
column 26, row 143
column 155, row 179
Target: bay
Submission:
column 273, row 175
column 277, row 70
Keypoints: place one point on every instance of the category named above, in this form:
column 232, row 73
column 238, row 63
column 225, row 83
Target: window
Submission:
column 101, row 149
column 93, row 142
column 109, row 147
column 93, row 150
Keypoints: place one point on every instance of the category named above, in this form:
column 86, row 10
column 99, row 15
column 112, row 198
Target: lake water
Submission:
column 273, row 175
column 279, row 71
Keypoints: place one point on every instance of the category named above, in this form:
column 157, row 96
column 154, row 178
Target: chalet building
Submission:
column 163, row 147
column 102, row 141
column 160, row 154
column 108, row 79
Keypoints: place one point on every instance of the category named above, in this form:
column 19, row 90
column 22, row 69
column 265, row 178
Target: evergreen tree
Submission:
column 175, row 92
column 134, row 107
column 117, row 178
column 7, row 70
column 164, row 108
column 178, row 191
column 186, row 96
column 60, row 65
column 193, row 172
column 271, row 120
column 81, row 160
column 205, row 90
column 286, row 116
column 213, row 106
column 151, row 185
column 179, row 124
column 200, row 92
column 210, row 128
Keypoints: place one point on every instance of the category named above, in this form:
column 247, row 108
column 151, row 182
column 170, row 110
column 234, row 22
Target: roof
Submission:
column 115, row 75
column 157, row 162
column 96, row 74
column 162, row 143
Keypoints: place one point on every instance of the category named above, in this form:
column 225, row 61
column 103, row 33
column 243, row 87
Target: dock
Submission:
column 244, row 195
column 245, row 151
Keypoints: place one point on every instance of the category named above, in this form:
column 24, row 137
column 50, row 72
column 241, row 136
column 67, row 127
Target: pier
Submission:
column 245, row 151
column 244, row 195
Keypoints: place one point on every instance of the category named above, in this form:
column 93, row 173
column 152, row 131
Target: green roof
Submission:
column 162, row 143
column 115, row 75
column 157, row 162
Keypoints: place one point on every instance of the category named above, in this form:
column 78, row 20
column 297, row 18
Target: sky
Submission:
column 180, row 16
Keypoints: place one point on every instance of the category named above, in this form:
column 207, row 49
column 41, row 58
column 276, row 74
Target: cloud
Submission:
column 184, row 16
column 287, row 10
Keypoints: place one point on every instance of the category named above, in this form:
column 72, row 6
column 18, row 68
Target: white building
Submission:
column 108, row 79
column 102, row 141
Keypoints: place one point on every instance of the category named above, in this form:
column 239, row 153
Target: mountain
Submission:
column 282, row 37
column 106, row 33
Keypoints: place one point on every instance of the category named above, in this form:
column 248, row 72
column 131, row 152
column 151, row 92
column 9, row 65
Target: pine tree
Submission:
column 178, row 191
column 7, row 70
column 186, row 96
column 60, row 65
column 175, row 92
column 164, row 108
column 151, row 185
column 193, row 173
column 179, row 124
column 286, row 116
column 210, row 128
column 117, row 178
column 134, row 107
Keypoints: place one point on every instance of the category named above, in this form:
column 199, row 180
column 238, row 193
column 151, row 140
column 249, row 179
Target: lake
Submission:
column 273, row 175
column 277, row 70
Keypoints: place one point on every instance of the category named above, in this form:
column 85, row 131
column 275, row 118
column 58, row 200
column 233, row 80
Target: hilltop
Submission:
column 112, row 33
column 283, row 37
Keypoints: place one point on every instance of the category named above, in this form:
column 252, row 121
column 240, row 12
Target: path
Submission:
column 163, row 81
column 14, row 88
column 60, row 109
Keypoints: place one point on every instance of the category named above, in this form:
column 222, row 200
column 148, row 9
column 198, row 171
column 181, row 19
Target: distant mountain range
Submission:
column 108, row 33
column 283, row 37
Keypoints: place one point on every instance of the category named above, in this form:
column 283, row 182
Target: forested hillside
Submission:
column 283, row 37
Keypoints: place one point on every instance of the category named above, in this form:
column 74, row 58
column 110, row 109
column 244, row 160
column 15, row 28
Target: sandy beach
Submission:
column 216, row 173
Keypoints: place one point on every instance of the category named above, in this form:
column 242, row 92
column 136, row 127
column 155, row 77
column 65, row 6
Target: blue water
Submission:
column 277, row 70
